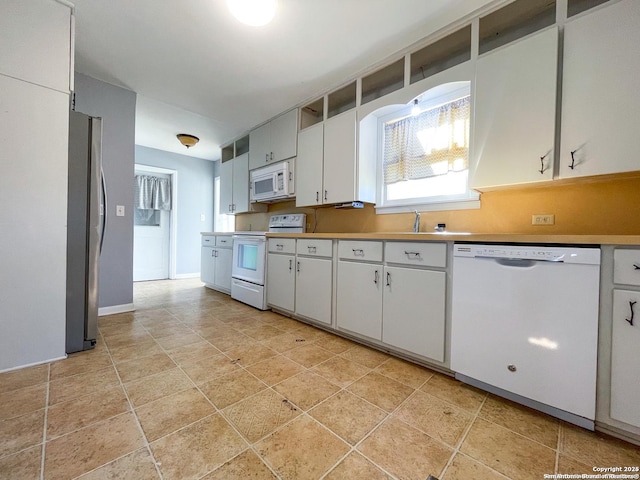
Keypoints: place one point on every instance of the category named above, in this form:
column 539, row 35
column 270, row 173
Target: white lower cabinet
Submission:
column 281, row 281
column 413, row 311
column 222, row 270
column 216, row 262
column 625, row 357
column 314, row 284
column 359, row 298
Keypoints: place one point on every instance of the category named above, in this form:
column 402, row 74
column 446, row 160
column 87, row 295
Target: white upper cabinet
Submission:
column 515, row 105
column 234, row 185
column 309, row 166
column 600, row 94
column 37, row 43
column 274, row 141
column 339, row 174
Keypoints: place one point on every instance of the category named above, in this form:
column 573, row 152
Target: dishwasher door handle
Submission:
column 515, row 262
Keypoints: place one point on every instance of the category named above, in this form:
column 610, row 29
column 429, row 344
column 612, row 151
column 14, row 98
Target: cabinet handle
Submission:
column 630, row 320
column 213, row 253
column 412, row 254
column 317, row 197
column 358, row 252
column 298, row 267
column 279, row 246
column 388, row 279
column 542, row 169
column 271, row 157
column 325, row 195
column 573, row 160
column 266, row 158
column 290, row 264
column 375, row 277
column 311, row 249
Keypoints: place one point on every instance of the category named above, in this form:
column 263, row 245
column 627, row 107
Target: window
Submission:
column 425, row 153
column 221, row 221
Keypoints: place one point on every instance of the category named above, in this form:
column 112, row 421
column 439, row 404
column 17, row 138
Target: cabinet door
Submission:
column 36, row 39
column 625, row 358
column 226, row 186
column 313, row 288
column 359, row 302
column 222, row 272
column 241, row 184
column 414, row 311
column 309, row 166
column 207, row 265
column 340, row 158
column 284, row 136
column 600, row 95
column 515, row 106
column 281, row 281
column 259, row 146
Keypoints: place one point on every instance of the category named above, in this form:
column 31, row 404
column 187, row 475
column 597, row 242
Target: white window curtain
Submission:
column 152, row 193
column 432, row 143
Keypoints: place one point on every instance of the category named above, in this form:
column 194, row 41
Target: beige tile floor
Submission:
column 194, row 385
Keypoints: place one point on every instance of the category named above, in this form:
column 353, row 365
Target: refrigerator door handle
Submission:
column 103, row 207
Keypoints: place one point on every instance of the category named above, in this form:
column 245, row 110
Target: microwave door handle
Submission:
column 275, row 183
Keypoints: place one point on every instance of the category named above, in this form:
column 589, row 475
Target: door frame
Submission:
column 173, row 231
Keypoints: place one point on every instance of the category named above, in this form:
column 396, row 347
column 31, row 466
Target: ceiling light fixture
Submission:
column 187, row 140
column 415, row 110
column 253, row 12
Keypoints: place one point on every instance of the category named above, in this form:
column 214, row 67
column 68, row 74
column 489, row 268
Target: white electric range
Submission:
column 249, row 270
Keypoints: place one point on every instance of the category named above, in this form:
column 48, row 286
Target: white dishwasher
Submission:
column 525, row 325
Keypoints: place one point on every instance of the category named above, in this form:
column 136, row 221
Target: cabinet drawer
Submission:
column 224, row 241
column 314, row 247
column 360, row 250
column 282, row 245
column 626, row 266
column 419, row 254
column 208, row 241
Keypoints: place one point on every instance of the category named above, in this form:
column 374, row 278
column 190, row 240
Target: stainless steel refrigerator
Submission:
column 86, row 224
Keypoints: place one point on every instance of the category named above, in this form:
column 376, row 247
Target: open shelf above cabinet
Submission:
column 312, row 113
column 515, row 21
column 575, row 7
column 341, row 100
column 382, row 82
column 441, row 55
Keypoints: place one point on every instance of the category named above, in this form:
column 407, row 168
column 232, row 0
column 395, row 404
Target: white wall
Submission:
column 117, row 107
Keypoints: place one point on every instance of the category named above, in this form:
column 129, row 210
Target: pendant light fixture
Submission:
column 187, row 140
column 415, row 110
column 253, row 12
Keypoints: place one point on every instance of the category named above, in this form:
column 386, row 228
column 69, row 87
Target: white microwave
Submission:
column 273, row 182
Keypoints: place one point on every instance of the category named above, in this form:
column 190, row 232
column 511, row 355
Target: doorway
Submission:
column 154, row 214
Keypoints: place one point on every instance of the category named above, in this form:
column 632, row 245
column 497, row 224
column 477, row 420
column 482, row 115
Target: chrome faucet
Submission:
column 416, row 223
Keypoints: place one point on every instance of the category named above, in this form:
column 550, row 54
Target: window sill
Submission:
column 429, row 207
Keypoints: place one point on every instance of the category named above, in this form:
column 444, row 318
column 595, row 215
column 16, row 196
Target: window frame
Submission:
column 432, row 98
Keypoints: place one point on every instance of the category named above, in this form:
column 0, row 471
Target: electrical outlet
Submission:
column 543, row 219
column 202, row 217
column 119, row 210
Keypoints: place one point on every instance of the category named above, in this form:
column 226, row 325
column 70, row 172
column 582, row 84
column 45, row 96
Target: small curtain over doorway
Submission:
column 152, row 193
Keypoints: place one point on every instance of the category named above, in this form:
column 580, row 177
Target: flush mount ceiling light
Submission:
column 187, row 140
column 253, row 12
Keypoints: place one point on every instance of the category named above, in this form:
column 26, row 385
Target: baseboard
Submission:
column 127, row 307
column 35, row 364
column 187, row 275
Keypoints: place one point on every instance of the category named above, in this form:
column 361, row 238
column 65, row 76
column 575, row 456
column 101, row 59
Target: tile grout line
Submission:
column 44, row 429
column 135, row 416
column 463, row 437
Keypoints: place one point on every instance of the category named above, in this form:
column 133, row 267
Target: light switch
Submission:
column 119, row 210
